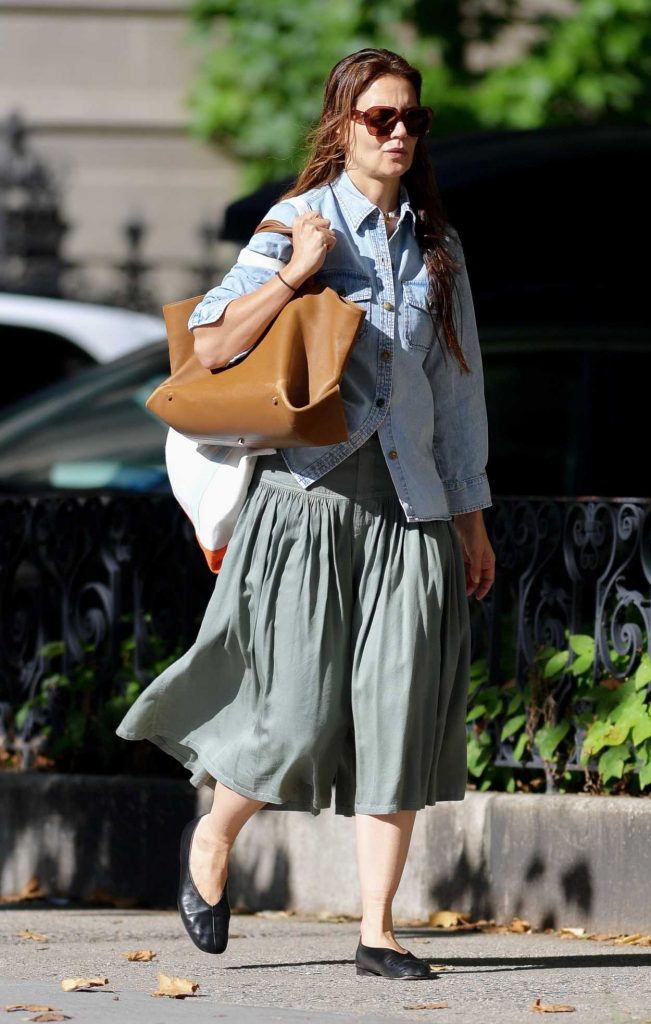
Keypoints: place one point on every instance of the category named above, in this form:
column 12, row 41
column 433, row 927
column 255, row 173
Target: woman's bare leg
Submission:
column 213, row 838
column 382, row 847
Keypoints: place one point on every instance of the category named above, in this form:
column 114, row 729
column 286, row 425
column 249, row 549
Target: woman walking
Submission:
column 334, row 653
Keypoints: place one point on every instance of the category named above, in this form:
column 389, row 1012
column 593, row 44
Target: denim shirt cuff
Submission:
column 208, row 311
column 468, row 495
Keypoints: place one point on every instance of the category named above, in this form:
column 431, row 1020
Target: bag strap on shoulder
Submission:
column 278, row 226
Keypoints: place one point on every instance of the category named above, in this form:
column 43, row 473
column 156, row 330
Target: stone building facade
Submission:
column 101, row 86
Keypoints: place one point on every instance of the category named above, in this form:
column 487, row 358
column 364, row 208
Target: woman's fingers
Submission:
column 312, row 238
column 313, row 218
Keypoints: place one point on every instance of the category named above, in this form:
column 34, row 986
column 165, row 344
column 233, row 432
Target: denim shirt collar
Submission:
column 358, row 207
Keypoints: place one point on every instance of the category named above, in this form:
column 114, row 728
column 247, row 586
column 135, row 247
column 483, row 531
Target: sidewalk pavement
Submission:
column 299, row 968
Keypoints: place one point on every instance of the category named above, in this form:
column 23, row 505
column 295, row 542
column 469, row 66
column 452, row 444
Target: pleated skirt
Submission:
column 333, row 659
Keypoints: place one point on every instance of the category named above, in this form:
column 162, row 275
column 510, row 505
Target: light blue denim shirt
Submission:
column 431, row 419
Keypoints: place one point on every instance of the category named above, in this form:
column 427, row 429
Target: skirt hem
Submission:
column 170, row 745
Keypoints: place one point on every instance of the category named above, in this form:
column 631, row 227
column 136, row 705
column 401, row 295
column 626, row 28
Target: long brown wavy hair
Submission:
column 327, row 156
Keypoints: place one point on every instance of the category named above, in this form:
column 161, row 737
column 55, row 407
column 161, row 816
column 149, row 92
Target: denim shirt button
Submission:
column 385, row 356
column 379, row 402
column 387, row 305
column 393, row 454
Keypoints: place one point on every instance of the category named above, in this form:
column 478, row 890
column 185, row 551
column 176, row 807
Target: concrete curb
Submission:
column 572, row 860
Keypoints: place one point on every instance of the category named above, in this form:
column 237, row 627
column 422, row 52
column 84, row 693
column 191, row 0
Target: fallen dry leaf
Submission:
column 541, row 1007
column 644, row 941
column 624, row 940
column 31, row 890
column 572, row 933
column 448, row 918
column 604, row 936
column 611, row 683
column 101, row 895
column 330, row 918
column 425, row 1006
column 26, row 1006
column 275, row 913
column 51, row 1016
column 41, row 761
column 139, row 954
column 176, row 988
column 518, row 925
column 28, row 934
column 72, row 984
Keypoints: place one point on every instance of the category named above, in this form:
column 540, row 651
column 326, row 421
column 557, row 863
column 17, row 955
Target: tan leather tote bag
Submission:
column 284, row 394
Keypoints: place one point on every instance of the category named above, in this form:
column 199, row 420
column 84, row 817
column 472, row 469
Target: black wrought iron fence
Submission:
column 566, row 567
column 81, row 576
column 96, row 571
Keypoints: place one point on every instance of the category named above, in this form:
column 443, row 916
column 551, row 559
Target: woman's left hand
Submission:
column 478, row 555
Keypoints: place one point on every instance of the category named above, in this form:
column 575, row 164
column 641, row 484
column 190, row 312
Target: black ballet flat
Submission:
column 205, row 923
column 377, row 961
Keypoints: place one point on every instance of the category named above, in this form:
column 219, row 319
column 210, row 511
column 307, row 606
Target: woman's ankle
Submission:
column 208, row 836
column 375, row 936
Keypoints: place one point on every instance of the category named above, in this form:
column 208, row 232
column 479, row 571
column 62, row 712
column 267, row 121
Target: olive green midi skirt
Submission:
column 334, row 654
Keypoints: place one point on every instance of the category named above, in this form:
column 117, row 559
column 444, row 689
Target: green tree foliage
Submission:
column 260, row 81
column 594, row 66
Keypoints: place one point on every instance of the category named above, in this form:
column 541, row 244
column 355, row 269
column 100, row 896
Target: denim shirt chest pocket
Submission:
column 354, row 287
column 417, row 324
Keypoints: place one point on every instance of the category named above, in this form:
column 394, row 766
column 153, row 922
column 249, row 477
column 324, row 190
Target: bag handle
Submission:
column 278, row 226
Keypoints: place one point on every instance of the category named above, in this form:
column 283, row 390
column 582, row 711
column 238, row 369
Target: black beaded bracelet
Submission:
column 286, row 282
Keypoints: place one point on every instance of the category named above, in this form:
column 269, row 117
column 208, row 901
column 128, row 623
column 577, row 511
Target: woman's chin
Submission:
column 394, row 168
column 397, row 164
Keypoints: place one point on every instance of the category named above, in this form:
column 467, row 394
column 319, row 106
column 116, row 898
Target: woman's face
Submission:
column 376, row 155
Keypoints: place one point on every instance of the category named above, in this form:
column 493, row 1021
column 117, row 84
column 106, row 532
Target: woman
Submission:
column 334, row 651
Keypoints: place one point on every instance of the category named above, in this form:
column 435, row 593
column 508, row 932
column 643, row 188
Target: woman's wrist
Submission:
column 294, row 274
column 284, row 281
column 469, row 522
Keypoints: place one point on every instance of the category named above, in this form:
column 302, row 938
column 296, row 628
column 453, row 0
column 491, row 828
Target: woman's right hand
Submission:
column 245, row 317
column 311, row 239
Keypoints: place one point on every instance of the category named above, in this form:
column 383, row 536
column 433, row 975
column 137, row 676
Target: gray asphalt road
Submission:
column 292, row 969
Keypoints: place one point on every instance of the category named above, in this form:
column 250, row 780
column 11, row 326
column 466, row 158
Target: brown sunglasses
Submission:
column 382, row 120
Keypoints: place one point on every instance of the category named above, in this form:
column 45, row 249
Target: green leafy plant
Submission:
column 559, row 705
column 88, row 742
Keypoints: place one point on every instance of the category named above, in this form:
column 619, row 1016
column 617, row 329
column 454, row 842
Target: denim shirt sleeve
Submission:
column 461, row 426
column 264, row 254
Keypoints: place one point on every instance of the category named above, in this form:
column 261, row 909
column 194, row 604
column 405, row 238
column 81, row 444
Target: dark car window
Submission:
column 568, row 421
column 38, row 358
